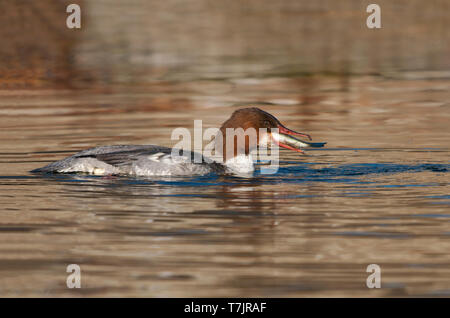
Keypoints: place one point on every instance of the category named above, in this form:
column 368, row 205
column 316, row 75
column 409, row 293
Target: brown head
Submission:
column 252, row 119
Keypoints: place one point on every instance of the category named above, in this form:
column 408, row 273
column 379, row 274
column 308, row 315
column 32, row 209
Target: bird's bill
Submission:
column 283, row 138
column 287, row 131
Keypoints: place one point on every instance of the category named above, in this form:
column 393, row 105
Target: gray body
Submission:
column 139, row 160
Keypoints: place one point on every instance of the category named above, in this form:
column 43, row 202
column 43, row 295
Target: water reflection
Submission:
column 377, row 194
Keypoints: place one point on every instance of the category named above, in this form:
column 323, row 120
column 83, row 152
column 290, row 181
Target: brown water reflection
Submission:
column 377, row 194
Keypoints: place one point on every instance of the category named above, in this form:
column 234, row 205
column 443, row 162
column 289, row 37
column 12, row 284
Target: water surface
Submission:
column 377, row 194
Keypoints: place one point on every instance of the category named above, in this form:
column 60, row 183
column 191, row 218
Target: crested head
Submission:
column 248, row 128
column 251, row 117
column 241, row 133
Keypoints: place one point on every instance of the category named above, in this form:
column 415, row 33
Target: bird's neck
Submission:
column 240, row 164
column 235, row 150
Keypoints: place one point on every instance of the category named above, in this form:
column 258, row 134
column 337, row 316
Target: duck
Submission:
column 232, row 157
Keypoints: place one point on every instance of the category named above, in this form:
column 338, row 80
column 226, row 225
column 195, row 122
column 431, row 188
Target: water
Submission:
column 377, row 194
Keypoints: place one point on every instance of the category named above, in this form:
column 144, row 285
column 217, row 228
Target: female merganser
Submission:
column 151, row 160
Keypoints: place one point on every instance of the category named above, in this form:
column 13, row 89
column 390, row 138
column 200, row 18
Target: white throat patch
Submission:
column 240, row 164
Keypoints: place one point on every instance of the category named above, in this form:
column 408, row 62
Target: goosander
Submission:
column 152, row 160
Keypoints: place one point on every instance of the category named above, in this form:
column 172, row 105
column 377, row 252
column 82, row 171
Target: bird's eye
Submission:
column 266, row 123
